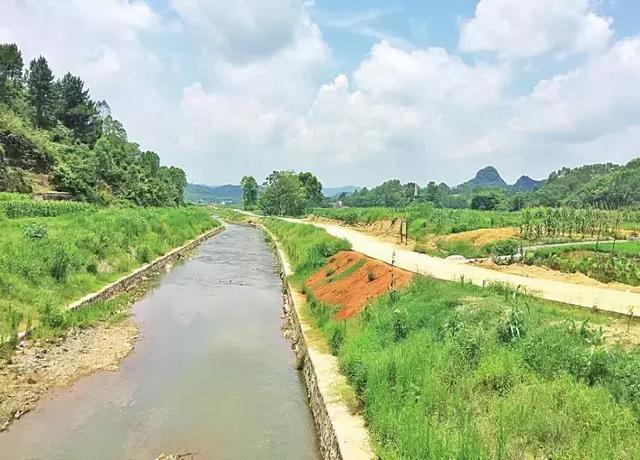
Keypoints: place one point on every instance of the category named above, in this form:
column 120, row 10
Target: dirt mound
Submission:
column 350, row 280
column 483, row 236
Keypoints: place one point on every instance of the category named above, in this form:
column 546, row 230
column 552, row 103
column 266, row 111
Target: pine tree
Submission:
column 76, row 110
column 10, row 69
column 40, row 91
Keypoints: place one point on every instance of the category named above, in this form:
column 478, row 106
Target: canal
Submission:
column 210, row 375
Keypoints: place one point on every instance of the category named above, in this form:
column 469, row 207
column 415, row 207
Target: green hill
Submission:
column 53, row 136
column 485, row 178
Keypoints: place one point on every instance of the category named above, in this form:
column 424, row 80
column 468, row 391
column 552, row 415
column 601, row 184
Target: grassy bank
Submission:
column 48, row 262
column 306, row 246
column 450, row 370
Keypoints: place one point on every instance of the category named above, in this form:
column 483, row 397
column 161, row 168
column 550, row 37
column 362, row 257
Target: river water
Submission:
column 211, row 373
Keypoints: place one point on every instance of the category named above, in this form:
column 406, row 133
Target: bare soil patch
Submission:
column 483, row 236
column 533, row 271
column 36, row 368
column 350, row 280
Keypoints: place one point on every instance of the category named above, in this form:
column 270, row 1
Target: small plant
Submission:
column 513, row 327
column 329, row 272
column 371, row 276
column 60, row 264
column 35, row 231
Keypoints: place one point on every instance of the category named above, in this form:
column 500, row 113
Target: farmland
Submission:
column 604, row 262
column 48, row 262
column 450, row 370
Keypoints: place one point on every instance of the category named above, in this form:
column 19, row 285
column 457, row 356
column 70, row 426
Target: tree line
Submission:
column 52, row 127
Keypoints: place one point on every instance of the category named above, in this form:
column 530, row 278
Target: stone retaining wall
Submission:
column 341, row 434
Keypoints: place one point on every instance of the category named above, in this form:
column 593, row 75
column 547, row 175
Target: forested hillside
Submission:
column 54, row 136
column 600, row 185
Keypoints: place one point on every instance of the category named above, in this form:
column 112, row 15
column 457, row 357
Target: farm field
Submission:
column 605, row 262
column 444, row 369
column 477, row 234
column 52, row 253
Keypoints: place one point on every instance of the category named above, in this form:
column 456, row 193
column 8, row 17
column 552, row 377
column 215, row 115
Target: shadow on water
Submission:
column 211, row 373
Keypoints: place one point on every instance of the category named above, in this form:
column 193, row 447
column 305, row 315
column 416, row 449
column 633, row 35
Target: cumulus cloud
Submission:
column 595, row 99
column 526, row 28
column 245, row 87
column 245, row 29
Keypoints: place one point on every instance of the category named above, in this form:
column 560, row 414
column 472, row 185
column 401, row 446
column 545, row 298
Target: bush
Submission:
column 35, row 231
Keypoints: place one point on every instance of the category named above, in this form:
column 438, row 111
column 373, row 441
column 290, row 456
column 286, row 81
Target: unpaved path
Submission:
column 574, row 294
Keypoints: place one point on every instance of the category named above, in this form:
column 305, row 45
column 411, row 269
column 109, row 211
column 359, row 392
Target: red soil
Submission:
column 352, row 292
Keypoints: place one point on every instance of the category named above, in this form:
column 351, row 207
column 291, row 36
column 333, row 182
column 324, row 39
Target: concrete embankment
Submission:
column 342, row 434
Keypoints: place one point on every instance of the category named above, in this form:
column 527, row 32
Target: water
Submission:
column 211, row 373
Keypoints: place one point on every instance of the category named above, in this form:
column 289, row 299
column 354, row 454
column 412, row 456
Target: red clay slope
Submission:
column 337, row 283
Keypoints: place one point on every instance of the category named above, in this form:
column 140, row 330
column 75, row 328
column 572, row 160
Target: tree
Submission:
column 76, row 110
column 485, row 201
column 40, row 91
column 10, row 69
column 312, row 187
column 283, row 195
column 249, row 192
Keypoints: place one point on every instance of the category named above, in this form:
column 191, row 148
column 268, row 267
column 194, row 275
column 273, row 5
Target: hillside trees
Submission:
column 41, row 93
column 52, row 132
column 249, row 192
column 76, row 110
column 10, row 70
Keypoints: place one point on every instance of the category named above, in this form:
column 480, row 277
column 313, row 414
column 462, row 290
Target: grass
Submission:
column 425, row 219
column 605, row 262
column 307, row 247
column 451, row 370
column 48, row 262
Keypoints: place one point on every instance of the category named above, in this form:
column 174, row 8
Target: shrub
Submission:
column 35, row 231
column 513, row 327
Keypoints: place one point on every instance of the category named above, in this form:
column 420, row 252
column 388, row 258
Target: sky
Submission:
column 355, row 91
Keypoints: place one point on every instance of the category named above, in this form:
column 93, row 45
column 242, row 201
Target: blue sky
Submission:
column 357, row 92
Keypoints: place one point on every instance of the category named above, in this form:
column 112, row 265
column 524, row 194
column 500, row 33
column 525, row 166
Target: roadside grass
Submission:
column 307, row 247
column 48, row 262
column 425, row 219
column 622, row 265
column 450, row 370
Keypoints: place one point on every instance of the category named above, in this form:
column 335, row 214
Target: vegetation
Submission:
column 451, row 370
column 306, row 246
column 603, row 186
column 605, row 262
column 249, row 192
column 288, row 194
column 54, row 136
column 48, row 262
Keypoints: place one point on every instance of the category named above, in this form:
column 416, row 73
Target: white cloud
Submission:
column 244, row 29
column 600, row 97
column 526, row 28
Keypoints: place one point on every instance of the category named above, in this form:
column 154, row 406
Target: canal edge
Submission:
column 341, row 434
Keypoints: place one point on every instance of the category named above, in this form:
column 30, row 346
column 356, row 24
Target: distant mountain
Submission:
column 197, row 193
column 526, row 184
column 485, row 178
column 331, row 192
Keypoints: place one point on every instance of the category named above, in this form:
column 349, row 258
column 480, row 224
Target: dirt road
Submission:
column 574, row 294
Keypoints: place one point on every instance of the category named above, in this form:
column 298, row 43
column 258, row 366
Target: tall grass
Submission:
column 450, row 370
column 46, row 263
column 306, row 246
